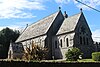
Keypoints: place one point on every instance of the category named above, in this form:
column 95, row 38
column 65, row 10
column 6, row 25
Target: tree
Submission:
column 7, row 35
column 73, row 54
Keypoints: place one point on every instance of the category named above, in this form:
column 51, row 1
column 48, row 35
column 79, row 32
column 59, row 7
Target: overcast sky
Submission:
column 17, row 13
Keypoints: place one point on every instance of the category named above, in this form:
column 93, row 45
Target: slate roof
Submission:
column 69, row 24
column 39, row 28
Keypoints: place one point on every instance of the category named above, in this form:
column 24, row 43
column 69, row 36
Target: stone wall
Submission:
column 16, row 51
column 61, row 49
column 97, row 46
column 37, row 41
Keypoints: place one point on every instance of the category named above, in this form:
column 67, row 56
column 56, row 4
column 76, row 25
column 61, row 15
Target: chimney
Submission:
column 65, row 15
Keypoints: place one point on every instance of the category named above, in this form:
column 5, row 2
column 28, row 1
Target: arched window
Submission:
column 67, row 42
column 61, row 42
column 87, row 41
column 84, row 40
column 80, row 40
column 56, row 44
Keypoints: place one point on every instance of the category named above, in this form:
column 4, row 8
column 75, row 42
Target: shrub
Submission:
column 73, row 54
column 36, row 53
column 96, row 56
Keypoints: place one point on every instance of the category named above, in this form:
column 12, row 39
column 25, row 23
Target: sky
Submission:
column 16, row 14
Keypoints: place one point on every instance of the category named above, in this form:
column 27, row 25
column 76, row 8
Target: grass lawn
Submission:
column 86, row 60
column 82, row 60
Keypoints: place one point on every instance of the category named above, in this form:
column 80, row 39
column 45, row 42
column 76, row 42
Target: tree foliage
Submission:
column 73, row 54
column 96, row 56
column 35, row 53
column 7, row 35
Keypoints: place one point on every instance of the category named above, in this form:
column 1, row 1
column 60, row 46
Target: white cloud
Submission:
column 14, row 27
column 17, row 26
column 17, row 8
column 96, row 35
column 92, row 3
column 1, row 28
column 61, row 2
column 21, row 8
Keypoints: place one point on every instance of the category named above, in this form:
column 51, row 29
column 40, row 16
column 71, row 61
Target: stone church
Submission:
column 59, row 32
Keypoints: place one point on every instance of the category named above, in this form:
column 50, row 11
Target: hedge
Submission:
column 96, row 56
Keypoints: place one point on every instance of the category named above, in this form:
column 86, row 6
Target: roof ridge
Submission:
column 43, row 18
column 74, row 14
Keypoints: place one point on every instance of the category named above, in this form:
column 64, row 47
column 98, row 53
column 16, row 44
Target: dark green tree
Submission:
column 7, row 35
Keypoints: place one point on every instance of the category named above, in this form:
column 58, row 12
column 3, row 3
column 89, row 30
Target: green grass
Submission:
column 82, row 60
column 86, row 60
